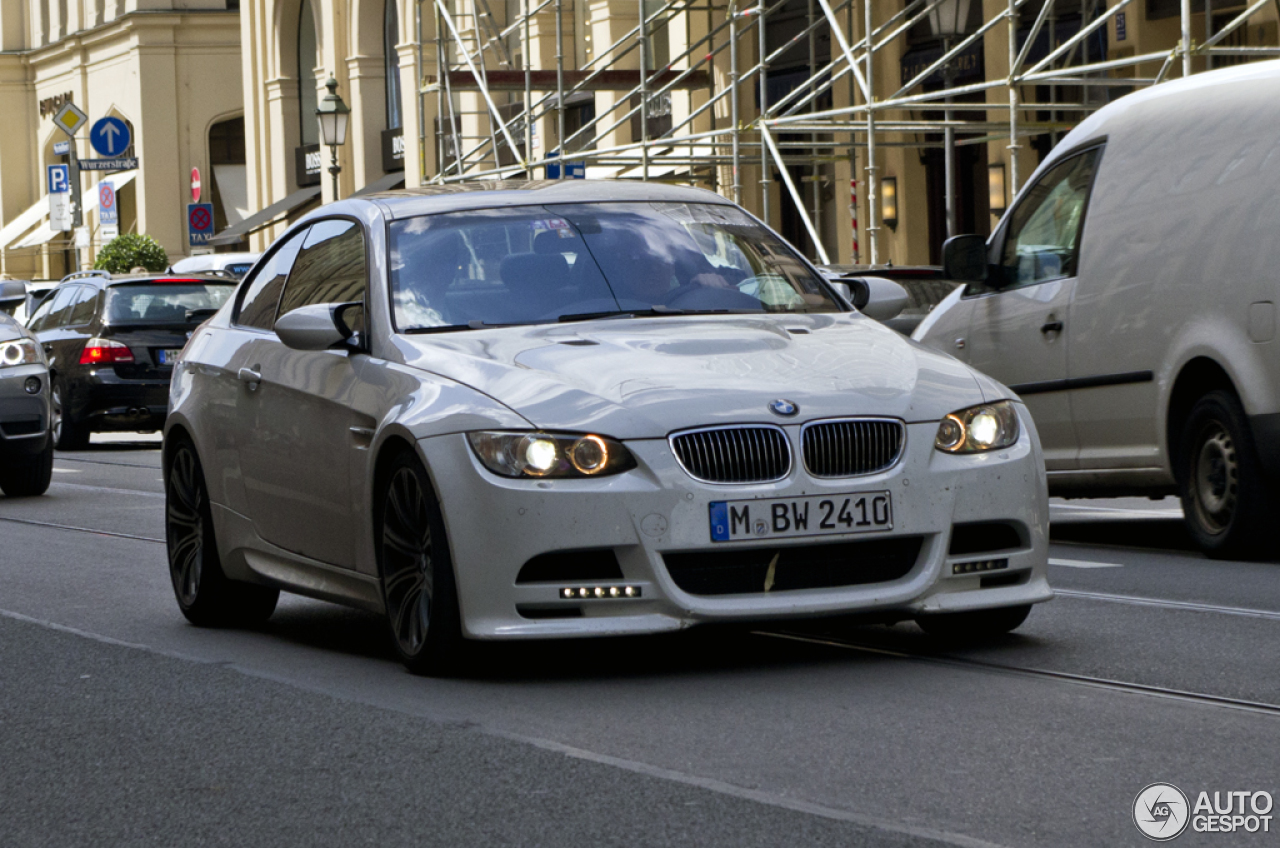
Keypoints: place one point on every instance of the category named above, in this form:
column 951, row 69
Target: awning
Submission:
column 236, row 233
column 387, row 183
column 38, row 213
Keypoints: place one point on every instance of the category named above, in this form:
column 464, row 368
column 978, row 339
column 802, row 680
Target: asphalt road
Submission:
column 120, row 724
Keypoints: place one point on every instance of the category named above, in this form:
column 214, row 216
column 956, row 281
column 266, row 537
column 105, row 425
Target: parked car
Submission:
column 1128, row 297
column 13, row 296
column 236, row 264
column 26, row 445
column 544, row 409
column 111, row 343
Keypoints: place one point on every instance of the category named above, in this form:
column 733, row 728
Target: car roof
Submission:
column 459, row 197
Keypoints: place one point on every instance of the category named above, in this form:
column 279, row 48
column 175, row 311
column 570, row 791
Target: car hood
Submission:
column 646, row 377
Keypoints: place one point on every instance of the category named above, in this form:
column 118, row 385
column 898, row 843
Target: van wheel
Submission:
column 1224, row 494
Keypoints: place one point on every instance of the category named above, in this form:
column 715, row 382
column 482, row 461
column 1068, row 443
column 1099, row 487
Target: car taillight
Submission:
column 105, row 352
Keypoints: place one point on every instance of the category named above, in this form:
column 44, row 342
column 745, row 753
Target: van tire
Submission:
column 1225, row 497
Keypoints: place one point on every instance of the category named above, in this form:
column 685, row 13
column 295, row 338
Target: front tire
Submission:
column 416, row 571
column 205, row 595
column 29, row 476
column 1224, row 493
column 974, row 625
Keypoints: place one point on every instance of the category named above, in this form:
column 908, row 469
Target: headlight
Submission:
column 21, row 352
column 550, row 454
column 978, row 428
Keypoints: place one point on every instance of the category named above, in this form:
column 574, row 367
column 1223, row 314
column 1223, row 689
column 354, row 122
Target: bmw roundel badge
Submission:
column 784, row 407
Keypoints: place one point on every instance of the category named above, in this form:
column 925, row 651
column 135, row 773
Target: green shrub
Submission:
column 130, row 250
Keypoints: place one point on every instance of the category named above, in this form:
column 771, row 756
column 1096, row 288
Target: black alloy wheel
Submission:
column 1225, row 497
column 418, row 587
column 205, row 595
column 976, row 624
column 68, row 434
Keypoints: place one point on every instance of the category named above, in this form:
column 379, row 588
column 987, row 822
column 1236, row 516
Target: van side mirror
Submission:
column 964, row 259
column 321, row 326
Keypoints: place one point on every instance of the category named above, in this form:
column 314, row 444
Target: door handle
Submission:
column 249, row 377
column 1051, row 327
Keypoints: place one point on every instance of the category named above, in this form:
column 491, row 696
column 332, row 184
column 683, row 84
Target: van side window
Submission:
column 1044, row 233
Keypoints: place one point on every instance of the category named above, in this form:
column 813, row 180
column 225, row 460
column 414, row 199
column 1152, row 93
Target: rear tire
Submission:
column 1225, row 497
column 416, row 571
column 204, row 593
column 69, row 434
column 28, row 476
column 977, row 624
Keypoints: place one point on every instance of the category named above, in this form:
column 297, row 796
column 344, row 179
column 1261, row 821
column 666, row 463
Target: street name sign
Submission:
column 61, row 148
column 124, row 164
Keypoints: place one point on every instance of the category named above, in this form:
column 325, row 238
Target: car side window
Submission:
column 84, row 305
column 59, row 309
column 330, row 268
column 262, row 291
column 1043, row 239
column 40, row 318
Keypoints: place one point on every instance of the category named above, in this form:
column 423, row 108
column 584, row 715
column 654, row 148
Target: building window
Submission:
column 308, row 58
column 390, row 36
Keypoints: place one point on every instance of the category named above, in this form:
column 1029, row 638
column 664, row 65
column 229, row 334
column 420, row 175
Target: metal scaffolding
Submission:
column 480, row 59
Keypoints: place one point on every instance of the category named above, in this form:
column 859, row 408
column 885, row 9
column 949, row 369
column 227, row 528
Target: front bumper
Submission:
column 496, row 525
column 24, row 417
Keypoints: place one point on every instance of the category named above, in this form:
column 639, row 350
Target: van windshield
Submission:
column 567, row 262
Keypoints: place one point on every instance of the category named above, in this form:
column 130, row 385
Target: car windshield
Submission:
column 163, row 302
column 566, row 262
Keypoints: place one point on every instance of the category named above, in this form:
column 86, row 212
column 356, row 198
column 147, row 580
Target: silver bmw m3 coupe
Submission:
column 558, row 409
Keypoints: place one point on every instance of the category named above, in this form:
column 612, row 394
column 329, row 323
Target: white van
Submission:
column 1129, row 296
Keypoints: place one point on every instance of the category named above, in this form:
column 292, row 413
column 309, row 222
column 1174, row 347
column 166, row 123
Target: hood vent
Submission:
column 738, row 454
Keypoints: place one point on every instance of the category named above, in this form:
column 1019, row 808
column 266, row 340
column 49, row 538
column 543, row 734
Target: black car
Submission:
column 111, row 343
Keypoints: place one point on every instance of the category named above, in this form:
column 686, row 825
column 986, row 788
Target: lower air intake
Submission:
column 746, row 571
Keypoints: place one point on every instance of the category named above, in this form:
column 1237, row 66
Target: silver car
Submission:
column 26, row 442
column 527, row 410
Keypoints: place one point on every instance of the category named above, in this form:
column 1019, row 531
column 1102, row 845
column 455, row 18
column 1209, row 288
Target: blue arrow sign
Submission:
column 110, row 136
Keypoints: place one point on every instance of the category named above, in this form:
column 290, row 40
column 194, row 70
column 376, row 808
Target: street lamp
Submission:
column 948, row 20
column 333, row 115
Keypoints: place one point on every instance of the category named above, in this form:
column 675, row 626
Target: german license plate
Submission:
column 820, row 515
column 170, row 355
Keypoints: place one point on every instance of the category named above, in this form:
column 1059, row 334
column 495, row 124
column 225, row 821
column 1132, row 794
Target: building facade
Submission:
column 170, row 70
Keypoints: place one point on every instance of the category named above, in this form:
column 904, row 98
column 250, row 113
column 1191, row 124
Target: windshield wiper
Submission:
column 621, row 313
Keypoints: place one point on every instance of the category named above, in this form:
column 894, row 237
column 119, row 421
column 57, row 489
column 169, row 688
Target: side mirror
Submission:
column 13, row 293
column 321, row 326
column 964, row 259
column 842, row 289
column 878, row 298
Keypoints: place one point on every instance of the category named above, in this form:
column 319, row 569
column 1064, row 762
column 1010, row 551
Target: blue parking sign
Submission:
column 199, row 224
column 59, row 179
